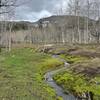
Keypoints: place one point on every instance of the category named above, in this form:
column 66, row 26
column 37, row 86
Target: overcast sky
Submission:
column 32, row 10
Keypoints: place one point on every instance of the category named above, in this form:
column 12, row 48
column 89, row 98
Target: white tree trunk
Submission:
column 63, row 38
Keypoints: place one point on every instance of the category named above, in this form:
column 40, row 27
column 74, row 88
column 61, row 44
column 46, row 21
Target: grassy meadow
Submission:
column 22, row 75
column 22, row 72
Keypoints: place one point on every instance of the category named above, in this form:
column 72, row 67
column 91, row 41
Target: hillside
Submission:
column 54, row 29
column 67, row 20
column 20, row 25
column 64, row 20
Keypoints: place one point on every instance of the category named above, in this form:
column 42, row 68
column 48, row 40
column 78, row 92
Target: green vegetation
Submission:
column 82, row 76
column 22, row 75
column 77, row 83
column 73, row 59
column 59, row 98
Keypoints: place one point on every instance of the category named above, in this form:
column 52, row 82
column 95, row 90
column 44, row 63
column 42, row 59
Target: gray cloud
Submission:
column 33, row 10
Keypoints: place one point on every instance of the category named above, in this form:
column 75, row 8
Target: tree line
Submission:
column 78, row 23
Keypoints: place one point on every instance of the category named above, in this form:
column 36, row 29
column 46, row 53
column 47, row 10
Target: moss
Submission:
column 21, row 75
column 59, row 98
column 77, row 83
column 73, row 59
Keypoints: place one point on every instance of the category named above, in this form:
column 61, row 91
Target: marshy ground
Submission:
column 22, row 71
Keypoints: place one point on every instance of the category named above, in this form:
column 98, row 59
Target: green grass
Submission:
column 76, row 79
column 73, row 59
column 78, row 83
column 21, row 75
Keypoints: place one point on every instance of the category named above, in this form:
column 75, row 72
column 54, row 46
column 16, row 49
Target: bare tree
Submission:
column 74, row 8
column 96, row 25
column 6, row 9
column 7, row 5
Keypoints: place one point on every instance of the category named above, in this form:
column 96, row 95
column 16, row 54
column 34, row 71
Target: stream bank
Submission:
column 59, row 90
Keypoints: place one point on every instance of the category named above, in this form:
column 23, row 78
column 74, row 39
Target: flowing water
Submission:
column 49, row 79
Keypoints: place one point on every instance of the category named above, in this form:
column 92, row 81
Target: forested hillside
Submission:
column 54, row 29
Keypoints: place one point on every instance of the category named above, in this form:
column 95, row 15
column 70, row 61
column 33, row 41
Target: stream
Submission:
column 49, row 79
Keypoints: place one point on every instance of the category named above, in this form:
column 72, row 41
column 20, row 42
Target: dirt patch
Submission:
column 89, row 69
column 85, row 53
column 58, row 50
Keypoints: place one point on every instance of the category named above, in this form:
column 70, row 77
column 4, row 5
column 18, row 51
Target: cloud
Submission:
column 60, row 7
column 35, row 9
column 34, row 16
column 25, row 14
